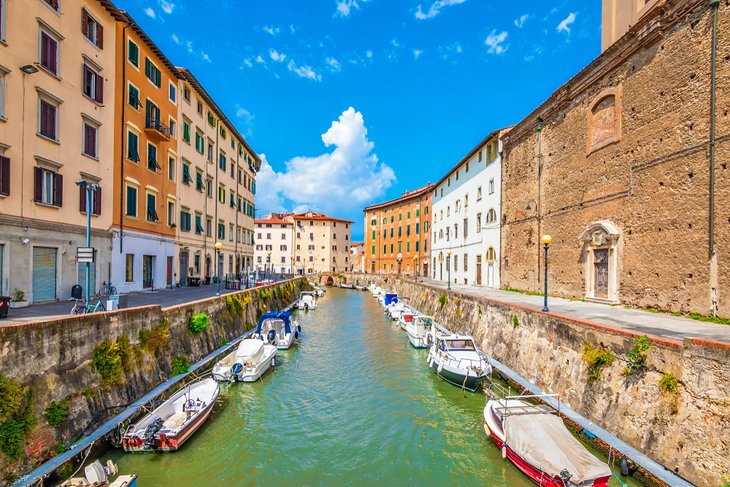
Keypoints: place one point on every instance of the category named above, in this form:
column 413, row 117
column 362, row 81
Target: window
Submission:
column 491, row 216
column 209, row 227
column 479, row 193
column 91, row 29
column 479, row 222
column 221, row 194
column 131, row 201
column 129, row 268
column 209, row 191
column 186, row 130
column 466, row 200
column 48, row 118
column 4, row 175
column 2, row 78
column 152, row 116
column 186, row 179
column 199, row 180
column 199, row 224
column 90, row 139
column 199, row 142
column 185, row 221
column 133, row 96
column 186, row 94
column 230, row 232
column 466, row 262
column 152, row 208
column 222, row 231
column 93, row 84
column 171, row 213
column 133, row 52
column 173, row 93
column 200, row 108
column 172, row 128
column 210, row 151
column 152, row 72
column 466, row 227
column 48, row 51
column 3, row 14
column 48, row 187
column 222, row 161
column 152, row 163
column 491, row 186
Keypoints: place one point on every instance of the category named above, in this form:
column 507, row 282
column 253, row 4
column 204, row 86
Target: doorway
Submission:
column 148, row 274
column 169, row 272
column 479, row 270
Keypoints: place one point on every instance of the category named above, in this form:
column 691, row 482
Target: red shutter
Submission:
column 82, row 199
column 99, row 88
column 4, row 176
column 97, row 202
column 58, row 190
column 84, row 22
column 38, row 184
column 99, row 36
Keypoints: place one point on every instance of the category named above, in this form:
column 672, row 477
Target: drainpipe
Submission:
column 123, row 138
column 714, row 5
column 539, row 193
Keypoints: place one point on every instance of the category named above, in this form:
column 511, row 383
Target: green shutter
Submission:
column 186, row 131
column 133, row 52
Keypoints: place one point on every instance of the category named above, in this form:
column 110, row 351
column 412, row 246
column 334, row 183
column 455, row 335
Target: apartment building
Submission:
column 466, row 227
column 216, row 175
column 321, row 243
column 397, row 234
column 357, row 257
column 57, row 126
column 274, row 251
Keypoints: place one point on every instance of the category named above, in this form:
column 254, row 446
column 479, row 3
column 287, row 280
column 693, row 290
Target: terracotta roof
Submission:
column 357, row 244
column 315, row 216
column 405, row 196
column 277, row 221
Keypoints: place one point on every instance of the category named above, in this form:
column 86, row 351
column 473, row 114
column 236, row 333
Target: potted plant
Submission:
column 19, row 299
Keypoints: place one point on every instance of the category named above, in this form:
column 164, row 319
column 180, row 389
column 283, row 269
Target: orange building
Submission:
column 397, row 234
column 145, row 202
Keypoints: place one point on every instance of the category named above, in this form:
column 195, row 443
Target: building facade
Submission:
column 274, row 249
column 626, row 175
column 321, row 243
column 216, row 175
column 357, row 257
column 465, row 233
column 57, row 124
column 397, row 234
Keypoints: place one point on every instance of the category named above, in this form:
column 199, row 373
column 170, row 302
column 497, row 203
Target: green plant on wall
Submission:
column 515, row 322
column 637, row 355
column 156, row 338
column 56, row 413
column 107, row 362
column 264, row 294
column 16, row 417
column 669, row 384
column 443, row 300
column 596, row 358
column 198, row 323
column 180, row 365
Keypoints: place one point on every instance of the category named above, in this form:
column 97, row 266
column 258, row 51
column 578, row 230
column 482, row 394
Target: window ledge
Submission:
column 90, row 156
column 48, row 72
column 55, row 141
column 95, row 102
column 3, row 118
column 47, row 205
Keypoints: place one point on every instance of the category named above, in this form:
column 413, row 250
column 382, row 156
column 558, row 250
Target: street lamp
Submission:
column 268, row 265
column 415, row 267
column 218, row 246
column 89, row 188
column 399, row 259
column 448, row 269
column 546, row 241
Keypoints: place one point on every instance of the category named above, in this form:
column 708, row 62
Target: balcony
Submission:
column 156, row 129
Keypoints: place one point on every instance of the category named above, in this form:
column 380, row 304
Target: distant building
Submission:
column 357, row 259
column 466, row 207
column 274, row 249
column 396, row 234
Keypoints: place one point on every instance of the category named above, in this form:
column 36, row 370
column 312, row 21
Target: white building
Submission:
column 465, row 227
column 274, row 249
column 357, row 259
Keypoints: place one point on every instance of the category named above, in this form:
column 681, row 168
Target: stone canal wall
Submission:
column 60, row 378
column 683, row 424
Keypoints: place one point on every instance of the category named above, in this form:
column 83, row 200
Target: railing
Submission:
column 154, row 124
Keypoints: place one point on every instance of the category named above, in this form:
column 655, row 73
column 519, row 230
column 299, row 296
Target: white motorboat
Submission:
column 307, row 300
column 419, row 329
column 98, row 475
column 175, row 420
column 247, row 363
column 539, row 444
column 406, row 317
column 378, row 292
column 278, row 328
column 456, row 359
column 319, row 291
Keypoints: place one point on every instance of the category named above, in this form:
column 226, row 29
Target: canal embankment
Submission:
column 62, row 377
column 669, row 399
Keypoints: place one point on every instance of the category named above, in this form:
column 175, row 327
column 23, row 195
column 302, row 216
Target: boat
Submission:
column 172, row 423
column 97, row 475
column 319, row 291
column 251, row 359
column 347, row 286
column 377, row 292
column 539, row 444
column 419, row 329
column 388, row 299
column 456, row 359
column 277, row 328
column 406, row 317
column 361, row 288
column 307, row 300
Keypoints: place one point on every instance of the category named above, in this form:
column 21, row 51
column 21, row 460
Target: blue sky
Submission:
column 355, row 101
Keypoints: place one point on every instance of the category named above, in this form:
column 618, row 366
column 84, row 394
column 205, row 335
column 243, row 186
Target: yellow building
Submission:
column 57, row 127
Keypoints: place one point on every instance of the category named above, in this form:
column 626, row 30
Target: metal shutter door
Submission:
column 92, row 277
column 44, row 274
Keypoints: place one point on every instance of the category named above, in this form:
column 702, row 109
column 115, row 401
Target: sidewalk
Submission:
column 657, row 324
column 163, row 297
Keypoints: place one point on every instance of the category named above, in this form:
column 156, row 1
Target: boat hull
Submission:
column 470, row 383
column 417, row 341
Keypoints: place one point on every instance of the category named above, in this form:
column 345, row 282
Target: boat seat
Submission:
column 175, row 421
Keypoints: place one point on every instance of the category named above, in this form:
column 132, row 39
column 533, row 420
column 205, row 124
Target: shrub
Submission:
column 264, row 294
column 637, row 355
column 180, row 365
column 457, row 302
column 515, row 322
column 126, row 354
column 443, row 299
column 247, row 300
column 107, row 362
column 669, row 384
column 156, row 338
column 56, row 413
column 19, row 295
column 198, row 323
column 14, row 430
column 12, row 397
column 596, row 358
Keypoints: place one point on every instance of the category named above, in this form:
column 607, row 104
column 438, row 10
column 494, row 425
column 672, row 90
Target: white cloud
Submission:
column 345, row 7
column 273, row 31
column 369, row 54
column 564, row 25
column 450, row 52
column 496, row 42
column 333, row 63
column 303, row 71
column 247, row 62
column 435, row 8
column 277, row 56
column 205, row 56
column 176, row 39
column 337, row 182
column 246, row 117
column 417, row 53
column 189, row 46
column 150, row 12
column 260, row 60
column 521, row 21
column 167, row 6
column 395, row 43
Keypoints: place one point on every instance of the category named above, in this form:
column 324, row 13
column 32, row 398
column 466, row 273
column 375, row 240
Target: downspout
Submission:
column 122, row 137
column 217, row 197
column 236, row 258
column 539, row 193
column 714, row 5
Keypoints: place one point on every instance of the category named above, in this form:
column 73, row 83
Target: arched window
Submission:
column 604, row 119
column 491, row 216
column 491, row 254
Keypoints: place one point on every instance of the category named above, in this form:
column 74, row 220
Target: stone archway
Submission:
column 601, row 256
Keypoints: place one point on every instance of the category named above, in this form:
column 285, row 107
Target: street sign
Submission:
column 84, row 255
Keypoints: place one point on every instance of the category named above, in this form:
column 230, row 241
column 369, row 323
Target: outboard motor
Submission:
column 271, row 337
column 624, row 466
column 236, row 369
column 565, row 476
column 152, row 429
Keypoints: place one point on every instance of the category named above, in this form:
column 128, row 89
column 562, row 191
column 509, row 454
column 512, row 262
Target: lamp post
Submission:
column 415, row 267
column 268, row 265
column 546, row 241
column 89, row 188
column 448, row 269
column 399, row 259
column 218, row 246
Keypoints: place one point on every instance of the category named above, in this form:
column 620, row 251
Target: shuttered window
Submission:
column 47, row 119
column 132, row 146
column 95, row 201
column 90, row 140
column 152, row 163
column 3, row 10
column 133, row 97
column 133, row 52
column 47, row 187
column 4, row 176
column 131, row 201
column 52, row 3
column 152, row 208
column 91, row 29
column 49, row 52
column 152, row 72
column 186, row 179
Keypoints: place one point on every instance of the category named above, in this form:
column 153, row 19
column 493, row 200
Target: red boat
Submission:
column 540, row 445
column 174, row 421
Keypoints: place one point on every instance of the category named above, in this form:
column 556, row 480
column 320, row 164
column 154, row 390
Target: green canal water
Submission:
column 353, row 404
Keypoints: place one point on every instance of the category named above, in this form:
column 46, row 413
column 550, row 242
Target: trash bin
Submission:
column 4, row 306
column 122, row 298
column 112, row 302
column 77, row 292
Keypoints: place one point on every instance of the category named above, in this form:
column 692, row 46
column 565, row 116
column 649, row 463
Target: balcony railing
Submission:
column 158, row 128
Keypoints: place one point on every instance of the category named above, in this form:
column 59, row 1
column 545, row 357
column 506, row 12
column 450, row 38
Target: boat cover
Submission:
column 390, row 298
column 543, row 441
column 284, row 316
column 251, row 350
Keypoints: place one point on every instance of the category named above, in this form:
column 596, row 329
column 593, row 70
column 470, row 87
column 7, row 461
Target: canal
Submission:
column 354, row 404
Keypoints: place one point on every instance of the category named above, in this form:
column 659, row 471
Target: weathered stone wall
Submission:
column 54, row 358
column 689, row 430
column 651, row 182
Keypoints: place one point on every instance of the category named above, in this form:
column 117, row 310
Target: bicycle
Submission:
column 107, row 289
column 79, row 308
column 99, row 306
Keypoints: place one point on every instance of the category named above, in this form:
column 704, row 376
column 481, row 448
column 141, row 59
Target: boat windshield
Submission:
column 460, row 344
